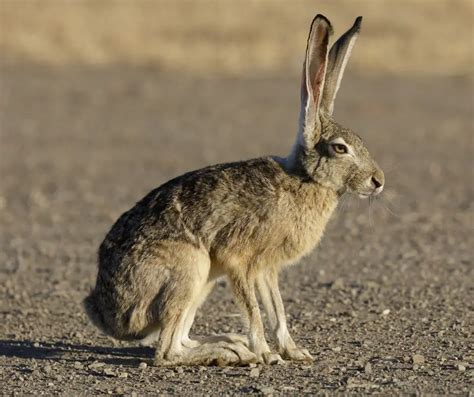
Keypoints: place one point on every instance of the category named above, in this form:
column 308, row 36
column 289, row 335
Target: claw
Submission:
column 297, row 354
column 271, row 358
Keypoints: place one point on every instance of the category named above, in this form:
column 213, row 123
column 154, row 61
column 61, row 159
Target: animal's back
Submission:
column 198, row 204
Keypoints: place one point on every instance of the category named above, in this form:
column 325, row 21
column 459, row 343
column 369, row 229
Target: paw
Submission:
column 227, row 338
column 297, row 354
column 271, row 358
column 236, row 338
column 245, row 355
column 190, row 343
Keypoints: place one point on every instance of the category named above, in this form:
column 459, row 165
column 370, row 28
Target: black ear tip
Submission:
column 358, row 22
column 321, row 17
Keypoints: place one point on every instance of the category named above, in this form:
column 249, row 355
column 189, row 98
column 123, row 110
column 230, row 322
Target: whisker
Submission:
column 391, row 193
column 392, row 197
column 345, row 203
column 370, row 211
column 391, row 170
column 386, row 205
column 392, row 166
column 342, row 204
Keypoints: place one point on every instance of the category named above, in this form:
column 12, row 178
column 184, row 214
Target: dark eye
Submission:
column 339, row 148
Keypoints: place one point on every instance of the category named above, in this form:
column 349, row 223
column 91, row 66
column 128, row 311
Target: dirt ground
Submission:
column 384, row 304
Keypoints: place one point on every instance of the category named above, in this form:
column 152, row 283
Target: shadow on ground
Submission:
column 55, row 351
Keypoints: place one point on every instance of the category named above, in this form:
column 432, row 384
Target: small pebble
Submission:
column 78, row 365
column 119, row 390
column 123, row 375
column 96, row 364
column 254, row 373
column 143, row 365
column 180, row 370
column 338, row 284
column 109, row 372
column 386, row 312
column 337, row 349
column 461, row 367
column 47, row 369
column 266, row 390
column 418, row 359
column 368, row 368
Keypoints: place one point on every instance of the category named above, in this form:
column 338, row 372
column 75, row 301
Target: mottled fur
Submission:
column 244, row 220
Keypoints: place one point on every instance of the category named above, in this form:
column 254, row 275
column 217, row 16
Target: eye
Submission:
column 339, row 148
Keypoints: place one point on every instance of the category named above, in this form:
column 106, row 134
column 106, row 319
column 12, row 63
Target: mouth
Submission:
column 373, row 193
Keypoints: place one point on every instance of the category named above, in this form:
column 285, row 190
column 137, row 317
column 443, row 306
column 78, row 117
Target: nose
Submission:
column 376, row 182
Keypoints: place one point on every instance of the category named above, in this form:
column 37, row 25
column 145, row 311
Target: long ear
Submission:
column 337, row 61
column 312, row 82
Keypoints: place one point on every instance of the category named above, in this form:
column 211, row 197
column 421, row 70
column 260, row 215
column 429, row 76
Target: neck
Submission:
column 294, row 162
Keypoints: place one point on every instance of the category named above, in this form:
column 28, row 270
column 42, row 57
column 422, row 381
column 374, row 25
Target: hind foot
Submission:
column 229, row 338
column 219, row 353
column 191, row 343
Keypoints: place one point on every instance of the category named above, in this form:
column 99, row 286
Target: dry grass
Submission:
column 237, row 37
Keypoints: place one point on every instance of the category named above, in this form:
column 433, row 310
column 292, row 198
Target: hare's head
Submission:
column 325, row 151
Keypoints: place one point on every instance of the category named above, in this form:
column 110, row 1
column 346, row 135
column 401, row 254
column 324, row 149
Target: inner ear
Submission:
column 317, row 60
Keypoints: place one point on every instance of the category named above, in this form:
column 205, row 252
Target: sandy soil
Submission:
column 384, row 304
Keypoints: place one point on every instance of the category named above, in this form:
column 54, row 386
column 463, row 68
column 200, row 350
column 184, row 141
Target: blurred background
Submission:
column 414, row 37
column 102, row 101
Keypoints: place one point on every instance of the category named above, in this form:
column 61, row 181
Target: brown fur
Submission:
column 244, row 220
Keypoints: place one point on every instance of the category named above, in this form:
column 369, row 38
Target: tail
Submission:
column 95, row 315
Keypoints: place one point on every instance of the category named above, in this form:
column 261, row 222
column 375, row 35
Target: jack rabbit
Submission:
column 244, row 220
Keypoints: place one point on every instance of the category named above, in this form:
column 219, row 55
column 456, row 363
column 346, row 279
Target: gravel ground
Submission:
column 384, row 304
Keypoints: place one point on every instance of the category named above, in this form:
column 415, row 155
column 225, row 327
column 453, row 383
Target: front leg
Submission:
column 244, row 290
column 271, row 298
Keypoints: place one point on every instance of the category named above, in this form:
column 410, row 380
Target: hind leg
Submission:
column 229, row 337
column 206, row 353
column 188, row 276
column 186, row 288
column 172, row 351
column 186, row 341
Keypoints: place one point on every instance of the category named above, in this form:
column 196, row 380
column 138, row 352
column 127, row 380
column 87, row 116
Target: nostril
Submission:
column 376, row 182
